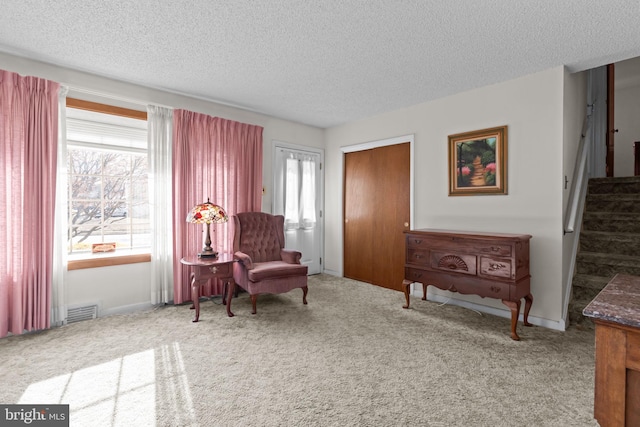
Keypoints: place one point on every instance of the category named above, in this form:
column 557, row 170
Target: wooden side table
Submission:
column 204, row 269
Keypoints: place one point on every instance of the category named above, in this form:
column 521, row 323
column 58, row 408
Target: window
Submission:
column 108, row 198
column 300, row 191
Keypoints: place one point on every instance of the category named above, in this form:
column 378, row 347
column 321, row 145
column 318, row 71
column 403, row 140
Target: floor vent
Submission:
column 85, row 312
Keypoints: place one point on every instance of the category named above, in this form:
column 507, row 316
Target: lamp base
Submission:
column 207, row 254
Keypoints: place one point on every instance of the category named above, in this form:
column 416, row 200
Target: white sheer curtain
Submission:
column 160, row 125
column 60, row 229
column 299, row 190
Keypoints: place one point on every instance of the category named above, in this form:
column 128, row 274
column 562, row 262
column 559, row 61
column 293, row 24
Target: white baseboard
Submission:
column 126, row 309
column 332, row 272
column 559, row 325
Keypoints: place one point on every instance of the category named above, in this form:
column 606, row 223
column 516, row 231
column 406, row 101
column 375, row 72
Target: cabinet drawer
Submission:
column 417, row 241
column 472, row 247
column 453, row 263
column 208, row 271
column 415, row 274
column 418, row 257
column 496, row 267
column 460, row 244
column 494, row 249
column 494, row 290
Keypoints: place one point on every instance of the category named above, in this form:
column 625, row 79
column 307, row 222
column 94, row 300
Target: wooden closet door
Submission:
column 391, row 215
column 377, row 211
column 359, row 202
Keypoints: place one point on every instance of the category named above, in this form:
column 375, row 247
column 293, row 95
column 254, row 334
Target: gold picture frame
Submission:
column 478, row 162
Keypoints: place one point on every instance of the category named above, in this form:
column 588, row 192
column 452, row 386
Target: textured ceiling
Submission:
column 320, row 62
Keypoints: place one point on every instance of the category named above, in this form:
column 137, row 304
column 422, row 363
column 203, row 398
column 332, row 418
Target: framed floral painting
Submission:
column 478, row 162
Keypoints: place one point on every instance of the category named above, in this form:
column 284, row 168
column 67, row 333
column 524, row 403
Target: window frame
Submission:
column 105, row 260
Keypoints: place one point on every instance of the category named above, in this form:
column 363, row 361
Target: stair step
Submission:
column 590, row 281
column 610, row 243
column 606, row 265
column 611, row 221
column 627, row 184
column 584, row 289
column 579, row 301
column 623, row 202
column 584, row 296
column 576, row 306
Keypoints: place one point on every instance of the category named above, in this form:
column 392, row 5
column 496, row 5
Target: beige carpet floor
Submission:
column 352, row 357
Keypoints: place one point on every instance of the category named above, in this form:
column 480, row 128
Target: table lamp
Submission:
column 207, row 213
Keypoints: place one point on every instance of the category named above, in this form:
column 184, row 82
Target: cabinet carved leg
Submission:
column 406, row 285
column 514, row 306
column 528, row 300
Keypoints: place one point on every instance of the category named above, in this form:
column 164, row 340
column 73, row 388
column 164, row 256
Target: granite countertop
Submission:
column 618, row 302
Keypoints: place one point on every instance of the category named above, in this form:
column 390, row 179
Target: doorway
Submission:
column 297, row 195
column 624, row 109
column 377, row 209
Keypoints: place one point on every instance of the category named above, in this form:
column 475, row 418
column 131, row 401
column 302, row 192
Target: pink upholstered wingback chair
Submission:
column 264, row 266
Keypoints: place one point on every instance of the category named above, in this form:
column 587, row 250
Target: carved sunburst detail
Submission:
column 453, row 262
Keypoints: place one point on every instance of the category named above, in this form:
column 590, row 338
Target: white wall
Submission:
column 122, row 287
column 117, row 289
column 532, row 107
column 627, row 115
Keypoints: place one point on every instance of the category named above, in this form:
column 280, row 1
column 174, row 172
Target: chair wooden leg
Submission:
column 304, row 294
column 254, row 298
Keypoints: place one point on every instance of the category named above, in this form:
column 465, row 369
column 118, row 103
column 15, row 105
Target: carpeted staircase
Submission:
column 609, row 240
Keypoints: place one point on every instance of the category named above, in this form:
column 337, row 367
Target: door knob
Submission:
column 406, row 224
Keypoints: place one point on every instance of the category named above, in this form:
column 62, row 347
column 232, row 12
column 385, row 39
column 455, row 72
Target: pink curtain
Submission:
column 214, row 159
column 28, row 148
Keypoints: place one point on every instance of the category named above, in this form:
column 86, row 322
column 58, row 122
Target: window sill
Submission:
column 107, row 261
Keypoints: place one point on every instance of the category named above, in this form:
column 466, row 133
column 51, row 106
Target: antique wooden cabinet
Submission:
column 494, row 265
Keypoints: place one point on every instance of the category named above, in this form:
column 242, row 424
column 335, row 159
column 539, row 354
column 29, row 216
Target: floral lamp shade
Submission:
column 207, row 213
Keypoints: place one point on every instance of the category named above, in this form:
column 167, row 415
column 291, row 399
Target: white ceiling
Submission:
column 320, row 62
